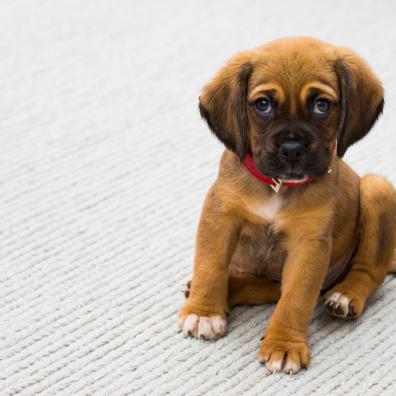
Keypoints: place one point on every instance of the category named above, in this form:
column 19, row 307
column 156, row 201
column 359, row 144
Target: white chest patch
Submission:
column 269, row 209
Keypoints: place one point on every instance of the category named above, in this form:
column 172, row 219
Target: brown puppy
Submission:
column 285, row 206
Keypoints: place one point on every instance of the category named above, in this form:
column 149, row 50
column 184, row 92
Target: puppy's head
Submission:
column 289, row 101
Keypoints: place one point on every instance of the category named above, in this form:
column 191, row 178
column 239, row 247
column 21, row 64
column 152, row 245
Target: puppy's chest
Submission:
column 261, row 246
column 268, row 211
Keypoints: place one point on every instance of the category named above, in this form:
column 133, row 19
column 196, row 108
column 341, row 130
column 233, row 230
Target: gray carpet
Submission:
column 103, row 169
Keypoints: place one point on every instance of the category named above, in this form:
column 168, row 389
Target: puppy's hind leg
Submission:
column 375, row 255
column 247, row 289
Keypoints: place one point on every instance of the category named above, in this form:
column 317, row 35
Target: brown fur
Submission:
column 248, row 233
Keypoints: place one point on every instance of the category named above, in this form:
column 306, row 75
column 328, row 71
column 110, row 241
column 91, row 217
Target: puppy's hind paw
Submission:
column 186, row 289
column 343, row 304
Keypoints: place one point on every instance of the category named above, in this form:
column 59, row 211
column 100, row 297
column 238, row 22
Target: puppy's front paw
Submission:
column 287, row 356
column 203, row 325
column 343, row 304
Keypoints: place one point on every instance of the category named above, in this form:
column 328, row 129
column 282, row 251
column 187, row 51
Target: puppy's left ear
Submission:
column 223, row 104
column 361, row 98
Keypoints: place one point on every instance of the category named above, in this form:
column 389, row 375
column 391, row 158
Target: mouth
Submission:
column 295, row 172
column 287, row 175
column 293, row 177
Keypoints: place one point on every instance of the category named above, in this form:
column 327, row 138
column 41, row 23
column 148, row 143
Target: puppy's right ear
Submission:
column 223, row 104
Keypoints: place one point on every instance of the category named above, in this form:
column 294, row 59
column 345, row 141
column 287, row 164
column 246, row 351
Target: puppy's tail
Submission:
column 392, row 267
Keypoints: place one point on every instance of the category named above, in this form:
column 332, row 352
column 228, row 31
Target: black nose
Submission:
column 291, row 151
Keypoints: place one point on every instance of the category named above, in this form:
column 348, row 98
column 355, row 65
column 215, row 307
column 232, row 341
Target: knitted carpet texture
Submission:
column 104, row 166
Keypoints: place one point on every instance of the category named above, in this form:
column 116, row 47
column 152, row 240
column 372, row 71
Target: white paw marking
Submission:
column 207, row 328
column 344, row 302
column 275, row 366
column 219, row 325
column 335, row 297
column 339, row 303
column 291, row 367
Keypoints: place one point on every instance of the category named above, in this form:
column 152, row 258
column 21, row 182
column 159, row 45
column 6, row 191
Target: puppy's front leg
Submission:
column 203, row 315
column 285, row 341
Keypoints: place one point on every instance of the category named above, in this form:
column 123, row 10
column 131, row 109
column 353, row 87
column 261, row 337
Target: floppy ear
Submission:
column 361, row 98
column 223, row 104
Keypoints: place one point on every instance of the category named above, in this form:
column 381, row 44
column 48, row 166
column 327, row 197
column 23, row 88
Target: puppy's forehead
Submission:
column 293, row 63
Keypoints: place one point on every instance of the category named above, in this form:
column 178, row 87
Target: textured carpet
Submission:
column 103, row 169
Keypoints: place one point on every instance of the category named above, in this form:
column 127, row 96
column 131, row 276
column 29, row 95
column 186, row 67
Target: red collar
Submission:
column 275, row 184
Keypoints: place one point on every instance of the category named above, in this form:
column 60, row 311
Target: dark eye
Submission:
column 263, row 106
column 321, row 106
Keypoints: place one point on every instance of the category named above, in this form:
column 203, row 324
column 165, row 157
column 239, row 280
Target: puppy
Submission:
column 287, row 218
